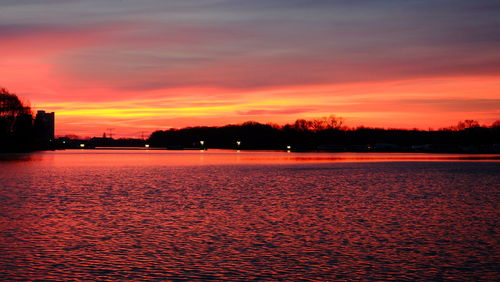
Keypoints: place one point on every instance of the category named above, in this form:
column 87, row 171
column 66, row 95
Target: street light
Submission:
column 202, row 143
column 288, row 148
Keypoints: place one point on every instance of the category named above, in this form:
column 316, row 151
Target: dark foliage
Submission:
column 16, row 123
column 329, row 135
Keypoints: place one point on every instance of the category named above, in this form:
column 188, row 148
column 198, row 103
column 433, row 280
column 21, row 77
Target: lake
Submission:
column 159, row 215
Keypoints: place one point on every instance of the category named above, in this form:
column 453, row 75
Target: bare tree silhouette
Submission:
column 16, row 123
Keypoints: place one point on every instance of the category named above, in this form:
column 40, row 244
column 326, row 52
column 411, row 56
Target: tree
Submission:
column 334, row 122
column 16, row 123
column 468, row 123
column 301, row 125
column 11, row 110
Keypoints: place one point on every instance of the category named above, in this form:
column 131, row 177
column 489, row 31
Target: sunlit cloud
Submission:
column 159, row 64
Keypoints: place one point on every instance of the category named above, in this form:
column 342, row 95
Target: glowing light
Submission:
column 82, row 145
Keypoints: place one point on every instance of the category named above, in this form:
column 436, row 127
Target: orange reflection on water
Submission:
column 146, row 215
column 112, row 157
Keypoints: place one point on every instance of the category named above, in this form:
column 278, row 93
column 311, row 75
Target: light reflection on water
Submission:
column 250, row 215
column 221, row 157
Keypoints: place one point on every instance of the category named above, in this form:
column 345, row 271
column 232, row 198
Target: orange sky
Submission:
column 139, row 68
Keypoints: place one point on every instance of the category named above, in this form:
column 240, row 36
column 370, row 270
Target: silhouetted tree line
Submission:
column 330, row 134
column 19, row 131
column 16, row 124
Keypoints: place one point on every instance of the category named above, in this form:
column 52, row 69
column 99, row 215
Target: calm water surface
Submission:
column 144, row 215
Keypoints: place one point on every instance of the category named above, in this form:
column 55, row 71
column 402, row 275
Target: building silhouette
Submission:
column 44, row 128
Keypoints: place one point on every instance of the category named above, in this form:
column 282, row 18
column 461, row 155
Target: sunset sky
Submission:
column 138, row 66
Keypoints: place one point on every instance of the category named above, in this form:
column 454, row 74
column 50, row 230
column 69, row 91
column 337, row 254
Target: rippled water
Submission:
column 141, row 215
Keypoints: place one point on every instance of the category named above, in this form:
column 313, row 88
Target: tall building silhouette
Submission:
column 44, row 128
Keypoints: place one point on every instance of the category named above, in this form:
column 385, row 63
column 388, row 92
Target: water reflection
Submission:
column 98, row 215
column 20, row 157
column 211, row 157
